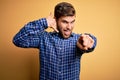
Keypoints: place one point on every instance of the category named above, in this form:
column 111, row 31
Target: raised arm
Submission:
column 29, row 35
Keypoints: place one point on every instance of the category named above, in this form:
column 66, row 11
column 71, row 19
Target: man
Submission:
column 61, row 50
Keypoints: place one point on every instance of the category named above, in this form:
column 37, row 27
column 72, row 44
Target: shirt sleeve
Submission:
column 29, row 35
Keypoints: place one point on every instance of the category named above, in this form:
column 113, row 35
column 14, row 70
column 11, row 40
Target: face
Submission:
column 65, row 25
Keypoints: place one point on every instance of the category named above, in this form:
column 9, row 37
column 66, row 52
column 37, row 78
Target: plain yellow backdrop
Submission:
column 99, row 17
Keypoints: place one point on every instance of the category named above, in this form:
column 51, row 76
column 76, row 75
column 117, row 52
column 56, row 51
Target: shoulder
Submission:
column 46, row 34
column 75, row 35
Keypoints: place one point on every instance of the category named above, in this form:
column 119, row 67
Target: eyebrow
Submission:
column 73, row 21
column 67, row 21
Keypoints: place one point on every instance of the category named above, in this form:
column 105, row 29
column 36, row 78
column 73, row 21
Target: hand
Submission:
column 52, row 22
column 85, row 42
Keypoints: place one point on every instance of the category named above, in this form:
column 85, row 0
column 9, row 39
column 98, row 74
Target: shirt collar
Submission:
column 56, row 33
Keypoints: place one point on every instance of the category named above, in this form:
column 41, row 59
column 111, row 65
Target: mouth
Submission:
column 67, row 32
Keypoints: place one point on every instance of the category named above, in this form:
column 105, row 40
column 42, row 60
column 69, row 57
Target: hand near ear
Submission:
column 85, row 42
column 52, row 22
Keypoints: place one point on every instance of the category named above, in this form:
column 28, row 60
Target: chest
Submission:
column 60, row 45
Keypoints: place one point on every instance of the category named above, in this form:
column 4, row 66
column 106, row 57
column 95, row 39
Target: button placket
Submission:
column 59, row 56
column 60, row 63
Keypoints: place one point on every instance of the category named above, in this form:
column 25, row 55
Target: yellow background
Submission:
column 99, row 17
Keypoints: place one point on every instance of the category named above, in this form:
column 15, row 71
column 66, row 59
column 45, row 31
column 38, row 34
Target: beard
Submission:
column 65, row 33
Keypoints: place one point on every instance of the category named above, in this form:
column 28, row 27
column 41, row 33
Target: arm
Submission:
column 86, row 43
column 28, row 36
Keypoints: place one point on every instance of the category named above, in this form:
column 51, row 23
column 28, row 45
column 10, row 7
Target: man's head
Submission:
column 64, row 9
column 65, row 17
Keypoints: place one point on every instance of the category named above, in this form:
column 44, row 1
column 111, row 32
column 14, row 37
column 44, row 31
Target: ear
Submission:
column 55, row 19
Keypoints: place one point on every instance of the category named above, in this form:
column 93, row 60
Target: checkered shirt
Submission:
column 59, row 57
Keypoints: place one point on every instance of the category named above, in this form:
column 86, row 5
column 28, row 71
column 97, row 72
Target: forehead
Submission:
column 67, row 18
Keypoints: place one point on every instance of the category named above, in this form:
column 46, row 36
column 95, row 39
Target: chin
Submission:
column 66, row 37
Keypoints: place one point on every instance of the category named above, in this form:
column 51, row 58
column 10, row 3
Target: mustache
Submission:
column 67, row 29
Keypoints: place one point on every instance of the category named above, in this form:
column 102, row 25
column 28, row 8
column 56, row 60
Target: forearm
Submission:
column 28, row 36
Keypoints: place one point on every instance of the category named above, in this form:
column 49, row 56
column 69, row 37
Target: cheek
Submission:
column 72, row 27
column 61, row 26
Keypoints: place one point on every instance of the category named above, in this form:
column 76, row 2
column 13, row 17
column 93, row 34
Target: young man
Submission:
column 61, row 50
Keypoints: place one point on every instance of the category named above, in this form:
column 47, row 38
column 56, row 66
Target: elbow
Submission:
column 15, row 42
column 19, row 42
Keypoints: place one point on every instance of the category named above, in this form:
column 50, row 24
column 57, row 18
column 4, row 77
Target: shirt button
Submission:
column 59, row 60
column 59, row 72
column 60, row 48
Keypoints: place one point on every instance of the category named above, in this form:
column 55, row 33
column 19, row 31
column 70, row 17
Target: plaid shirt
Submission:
column 59, row 57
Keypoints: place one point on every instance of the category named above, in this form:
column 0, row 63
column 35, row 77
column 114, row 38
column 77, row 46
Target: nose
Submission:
column 69, row 26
